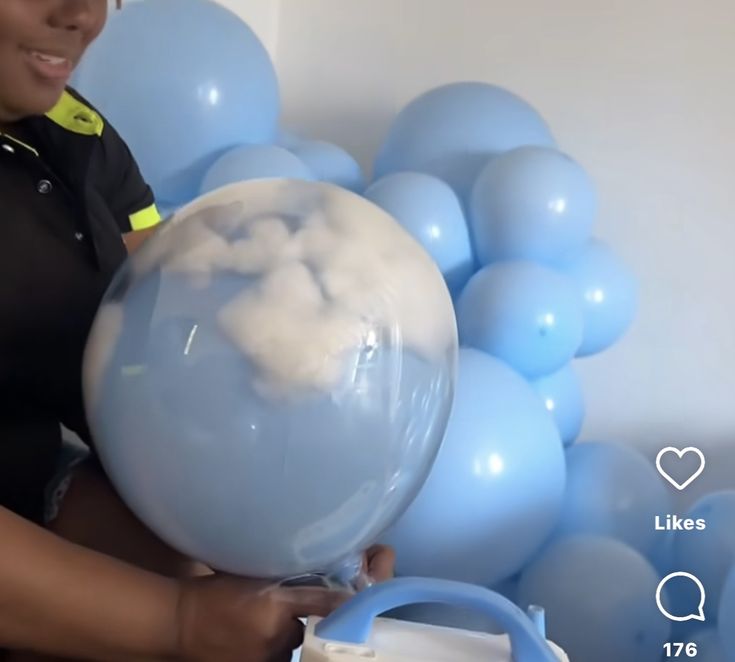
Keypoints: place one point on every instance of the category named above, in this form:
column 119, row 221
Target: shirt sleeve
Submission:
column 129, row 196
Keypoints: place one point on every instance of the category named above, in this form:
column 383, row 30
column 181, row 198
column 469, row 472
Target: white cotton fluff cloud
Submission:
column 335, row 273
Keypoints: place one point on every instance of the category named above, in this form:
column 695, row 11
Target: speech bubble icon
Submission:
column 699, row 616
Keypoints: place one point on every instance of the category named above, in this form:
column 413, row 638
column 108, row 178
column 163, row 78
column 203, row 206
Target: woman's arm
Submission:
column 134, row 240
column 59, row 598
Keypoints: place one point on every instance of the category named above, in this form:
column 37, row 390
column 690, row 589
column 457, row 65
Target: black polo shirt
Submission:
column 69, row 190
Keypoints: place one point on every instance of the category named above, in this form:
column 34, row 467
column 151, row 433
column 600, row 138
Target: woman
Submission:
column 80, row 577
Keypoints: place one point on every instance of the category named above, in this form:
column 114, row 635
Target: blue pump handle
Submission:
column 351, row 623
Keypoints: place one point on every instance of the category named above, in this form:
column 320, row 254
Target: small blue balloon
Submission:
column 429, row 209
column 708, row 554
column 524, row 313
column 254, row 162
column 288, row 139
column 330, row 163
column 531, row 203
column 494, row 492
column 561, row 393
column 613, row 491
column 598, row 594
column 451, row 131
column 726, row 616
column 182, row 81
column 709, row 646
column 609, row 294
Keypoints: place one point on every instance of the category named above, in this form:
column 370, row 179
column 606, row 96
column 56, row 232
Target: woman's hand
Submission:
column 379, row 563
column 223, row 618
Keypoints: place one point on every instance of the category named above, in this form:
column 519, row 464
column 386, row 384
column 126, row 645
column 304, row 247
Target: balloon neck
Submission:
column 351, row 574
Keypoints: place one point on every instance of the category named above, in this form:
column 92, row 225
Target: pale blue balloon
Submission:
column 531, row 203
column 561, row 393
column 429, row 209
column 609, row 292
column 598, row 594
column 707, row 554
column 451, row 131
column 288, row 139
column 709, row 645
column 331, row 163
column 726, row 615
column 494, row 492
column 182, row 81
column 613, row 491
column 251, row 472
column 523, row 313
column 254, row 162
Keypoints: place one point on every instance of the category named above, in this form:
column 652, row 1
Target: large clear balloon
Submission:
column 182, row 80
column 531, row 203
column 451, row 131
column 495, row 491
column 614, row 491
column 598, row 594
column 609, row 294
column 429, row 209
column 524, row 313
column 269, row 378
column 561, row 393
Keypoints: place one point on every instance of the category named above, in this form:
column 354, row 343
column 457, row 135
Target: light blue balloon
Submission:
column 707, row 554
column 561, row 393
column 523, row 313
column 531, row 203
column 726, row 615
column 598, row 594
column 254, row 162
column 217, row 434
column 494, row 492
column 613, row 491
column 451, row 131
column 609, row 293
column 429, row 209
column 182, row 81
column 709, row 646
column 289, row 139
column 331, row 163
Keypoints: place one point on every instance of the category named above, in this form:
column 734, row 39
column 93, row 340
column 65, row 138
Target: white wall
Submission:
column 641, row 93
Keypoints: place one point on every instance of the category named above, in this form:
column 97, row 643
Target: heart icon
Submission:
column 680, row 454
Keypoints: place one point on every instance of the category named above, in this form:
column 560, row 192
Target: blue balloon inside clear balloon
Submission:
column 613, row 491
column 429, row 209
column 598, row 594
column 609, row 292
column 330, row 163
column 561, row 393
column 494, row 493
column 531, row 203
column 524, row 313
column 451, row 131
column 254, row 162
column 183, row 81
column 256, row 401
